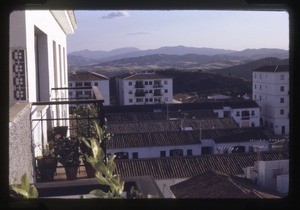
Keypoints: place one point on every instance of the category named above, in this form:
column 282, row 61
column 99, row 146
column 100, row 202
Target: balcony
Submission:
column 140, row 93
column 139, row 85
column 47, row 117
column 157, row 93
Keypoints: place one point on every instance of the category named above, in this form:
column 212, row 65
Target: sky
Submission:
column 235, row 30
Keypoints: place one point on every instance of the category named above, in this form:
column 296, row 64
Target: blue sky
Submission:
column 235, row 30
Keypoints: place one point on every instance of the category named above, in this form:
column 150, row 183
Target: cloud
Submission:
column 117, row 14
column 139, row 33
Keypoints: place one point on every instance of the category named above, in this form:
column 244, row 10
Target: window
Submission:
column 135, row 155
column 87, row 84
column 237, row 113
column 281, row 100
column 254, row 76
column 151, row 99
column 150, row 91
column 162, row 153
column 282, row 77
column 129, row 83
column 146, row 99
column 277, row 172
column 206, row 150
column 255, row 86
column 121, row 155
column 176, row 152
column 281, row 88
column 245, row 115
column 252, row 113
column 166, row 90
column 139, row 100
column 130, row 92
column 150, row 83
column 260, row 87
column 238, row 149
column 78, row 84
column 281, row 111
column 255, row 97
column 260, row 98
column 165, row 82
column 95, row 83
column 146, row 82
column 189, row 152
column 130, row 100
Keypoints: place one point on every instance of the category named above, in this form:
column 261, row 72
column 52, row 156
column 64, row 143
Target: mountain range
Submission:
column 88, row 57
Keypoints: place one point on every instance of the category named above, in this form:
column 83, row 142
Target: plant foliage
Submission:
column 26, row 190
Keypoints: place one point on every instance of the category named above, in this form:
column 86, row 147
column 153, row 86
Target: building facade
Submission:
column 38, row 63
column 270, row 85
column 144, row 88
column 89, row 79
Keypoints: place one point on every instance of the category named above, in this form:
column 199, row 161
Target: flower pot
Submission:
column 47, row 168
column 71, row 172
column 90, row 171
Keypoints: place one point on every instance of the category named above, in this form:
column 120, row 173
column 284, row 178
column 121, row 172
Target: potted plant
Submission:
column 47, row 163
column 68, row 155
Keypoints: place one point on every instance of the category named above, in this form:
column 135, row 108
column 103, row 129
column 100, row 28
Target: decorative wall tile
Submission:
column 19, row 74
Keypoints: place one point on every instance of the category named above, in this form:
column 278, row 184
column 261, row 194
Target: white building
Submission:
column 88, row 79
column 144, row 88
column 38, row 63
column 272, row 175
column 270, row 86
column 245, row 113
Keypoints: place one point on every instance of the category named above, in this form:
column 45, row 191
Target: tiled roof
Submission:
column 142, row 76
column 136, row 117
column 189, row 166
column 170, row 125
column 183, row 107
column 274, row 68
column 86, row 76
column 176, row 138
column 212, row 184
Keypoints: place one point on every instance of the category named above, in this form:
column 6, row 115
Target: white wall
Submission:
column 283, row 184
column 165, row 184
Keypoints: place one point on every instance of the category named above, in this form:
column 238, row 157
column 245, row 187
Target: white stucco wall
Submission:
column 165, row 184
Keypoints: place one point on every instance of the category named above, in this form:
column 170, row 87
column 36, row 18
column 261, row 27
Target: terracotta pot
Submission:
column 71, row 172
column 47, row 168
column 90, row 171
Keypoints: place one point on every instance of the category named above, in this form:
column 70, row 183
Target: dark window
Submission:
column 226, row 114
column 189, row 152
column 245, row 115
column 150, row 83
column 166, row 90
column 281, row 100
column 130, row 100
column 146, row 82
column 129, row 83
column 162, row 153
column 251, row 149
column 130, row 92
column 176, row 152
column 281, row 111
column 78, row 84
column 238, row 149
column 206, row 150
column 96, row 83
column 87, row 84
column 252, row 113
column 135, row 155
column 281, row 88
column 121, row 155
column 237, row 113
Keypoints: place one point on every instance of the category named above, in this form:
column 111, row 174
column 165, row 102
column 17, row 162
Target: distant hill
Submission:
column 245, row 70
column 168, row 57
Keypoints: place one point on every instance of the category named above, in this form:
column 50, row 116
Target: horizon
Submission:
column 107, row 30
column 177, row 46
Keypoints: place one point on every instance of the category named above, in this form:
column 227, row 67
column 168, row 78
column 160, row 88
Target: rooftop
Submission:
column 86, row 76
column 274, row 68
column 142, row 76
column 212, row 184
column 189, row 166
column 174, row 138
column 170, row 125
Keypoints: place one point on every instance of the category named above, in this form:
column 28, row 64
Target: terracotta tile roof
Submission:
column 212, row 184
column 274, row 68
column 189, row 166
column 176, row 138
column 136, row 117
column 170, row 125
column 142, row 76
column 86, row 76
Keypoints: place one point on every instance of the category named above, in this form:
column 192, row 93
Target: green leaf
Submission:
column 33, row 193
column 25, row 182
column 101, row 179
column 85, row 142
column 20, row 191
column 98, row 193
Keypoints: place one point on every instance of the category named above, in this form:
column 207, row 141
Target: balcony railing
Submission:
column 60, row 113
column 139, row 93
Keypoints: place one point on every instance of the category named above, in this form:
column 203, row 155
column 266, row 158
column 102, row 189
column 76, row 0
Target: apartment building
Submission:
column 88, row 79
column 144, row 88
column 38, row 63
column 270, row 86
